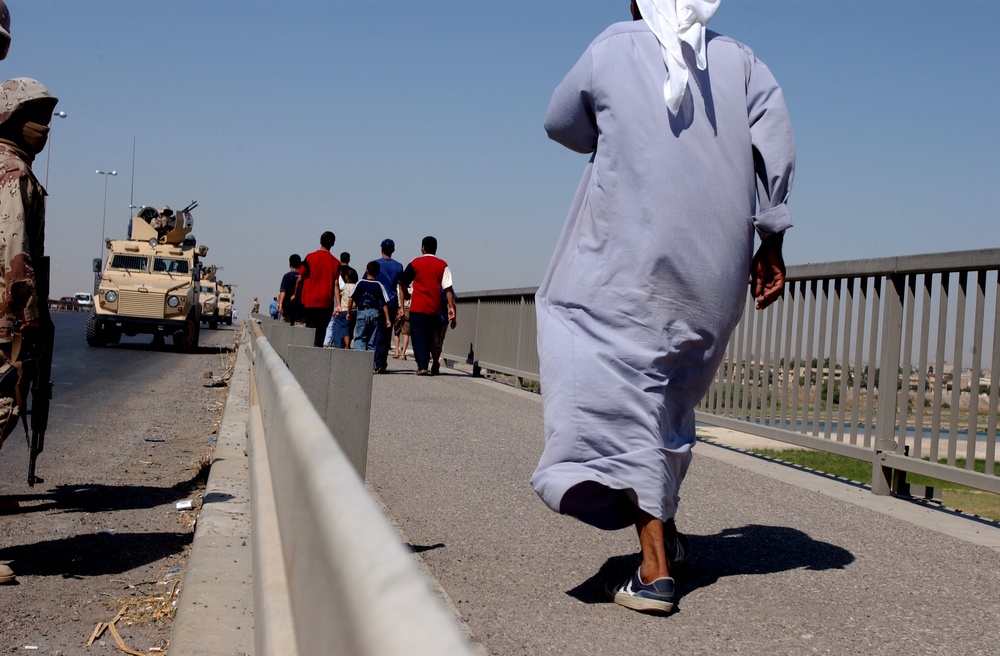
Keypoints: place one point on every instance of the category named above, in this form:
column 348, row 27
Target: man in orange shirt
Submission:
column 317, row 288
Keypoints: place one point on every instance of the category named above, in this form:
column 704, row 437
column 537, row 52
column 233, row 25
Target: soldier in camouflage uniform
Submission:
column 6, row 574
column 25, row 111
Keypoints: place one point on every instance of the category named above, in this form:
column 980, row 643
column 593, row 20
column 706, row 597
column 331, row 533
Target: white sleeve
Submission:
column 446, row 278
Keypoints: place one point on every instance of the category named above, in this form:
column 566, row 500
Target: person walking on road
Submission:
column 437, row 337
column 430, row 277
column 372, row 301
column 401, row 330
column 287, row 307
column 389, row 273
column 691, row 151
column 340, row 332
column 318, row 289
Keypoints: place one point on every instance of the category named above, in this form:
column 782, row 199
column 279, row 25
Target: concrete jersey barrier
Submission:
column 352, row 587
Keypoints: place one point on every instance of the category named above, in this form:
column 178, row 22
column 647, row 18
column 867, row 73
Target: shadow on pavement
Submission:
column 95, row 554
column 752, row 549
column 96, row 497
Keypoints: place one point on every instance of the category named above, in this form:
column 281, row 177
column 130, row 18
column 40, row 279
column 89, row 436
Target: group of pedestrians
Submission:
column 325, row 293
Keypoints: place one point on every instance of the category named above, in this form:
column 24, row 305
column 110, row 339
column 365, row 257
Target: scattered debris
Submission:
column 121, row 643
column 208, row 374
column 102, row 626
column 187, row 504
column 154, row 439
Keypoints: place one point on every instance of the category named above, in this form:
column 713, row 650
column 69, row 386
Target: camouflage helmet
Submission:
column 4, row 29
column 21, row 91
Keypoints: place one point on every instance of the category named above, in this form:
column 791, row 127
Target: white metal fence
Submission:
column 888, row 360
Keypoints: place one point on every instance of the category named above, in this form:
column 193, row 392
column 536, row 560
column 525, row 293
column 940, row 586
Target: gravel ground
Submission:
column 131, row 434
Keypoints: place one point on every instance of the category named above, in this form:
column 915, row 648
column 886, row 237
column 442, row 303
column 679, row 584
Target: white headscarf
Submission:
column 675, row 22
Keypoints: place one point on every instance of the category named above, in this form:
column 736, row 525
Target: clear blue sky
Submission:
column 396, row 118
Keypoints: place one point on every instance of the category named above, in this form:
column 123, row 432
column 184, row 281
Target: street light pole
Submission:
column 48, row 151
column 100, row 255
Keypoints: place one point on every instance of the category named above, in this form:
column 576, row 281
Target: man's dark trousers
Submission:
column 384, row 337
column 422, row 326
column 318, row 318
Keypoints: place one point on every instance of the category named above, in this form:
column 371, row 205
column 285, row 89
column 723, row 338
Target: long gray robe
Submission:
column 650, row 274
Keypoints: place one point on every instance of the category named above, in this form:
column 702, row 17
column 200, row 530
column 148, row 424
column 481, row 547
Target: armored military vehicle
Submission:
column 209, row 296
column 150, row 284
column 225, row 303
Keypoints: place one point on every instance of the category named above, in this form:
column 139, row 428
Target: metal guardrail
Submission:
column 809, row 369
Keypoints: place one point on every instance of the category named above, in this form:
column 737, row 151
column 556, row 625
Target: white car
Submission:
column 84, row 300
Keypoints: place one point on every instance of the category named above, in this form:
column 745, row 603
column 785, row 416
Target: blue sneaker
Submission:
column 655, row 597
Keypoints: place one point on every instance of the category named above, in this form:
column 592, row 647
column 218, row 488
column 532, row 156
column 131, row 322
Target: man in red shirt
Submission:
column 429, row 276
column 317, row 288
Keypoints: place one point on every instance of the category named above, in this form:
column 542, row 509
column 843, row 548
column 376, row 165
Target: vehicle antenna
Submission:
column 131, row 191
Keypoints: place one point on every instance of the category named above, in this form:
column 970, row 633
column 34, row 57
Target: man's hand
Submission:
column 767, row 271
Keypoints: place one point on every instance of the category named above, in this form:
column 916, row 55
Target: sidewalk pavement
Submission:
column 784, row 561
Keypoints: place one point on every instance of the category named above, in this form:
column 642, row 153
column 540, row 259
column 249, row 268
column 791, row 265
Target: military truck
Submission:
column 225, row 303
column 150, row 284
column 209, row 296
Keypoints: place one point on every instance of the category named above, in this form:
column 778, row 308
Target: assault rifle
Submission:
column 41, row 385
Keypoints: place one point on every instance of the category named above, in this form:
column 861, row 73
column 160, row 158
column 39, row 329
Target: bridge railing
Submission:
column 496, row 331
column 887, row 360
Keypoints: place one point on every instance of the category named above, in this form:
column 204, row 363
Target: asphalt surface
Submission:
column 784, row 562
column 130, row 430
column 90, row 384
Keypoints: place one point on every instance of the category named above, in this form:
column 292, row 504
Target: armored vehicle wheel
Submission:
column 187, row 339
column 95, row 332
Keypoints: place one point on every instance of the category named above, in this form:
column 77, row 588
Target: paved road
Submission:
column 128, row 427
column 784, row 562
column 90, row 384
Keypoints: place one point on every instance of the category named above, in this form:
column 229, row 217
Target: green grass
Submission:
column 957, row 497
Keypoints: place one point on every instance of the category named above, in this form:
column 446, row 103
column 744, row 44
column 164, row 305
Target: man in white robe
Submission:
column 691, row 154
